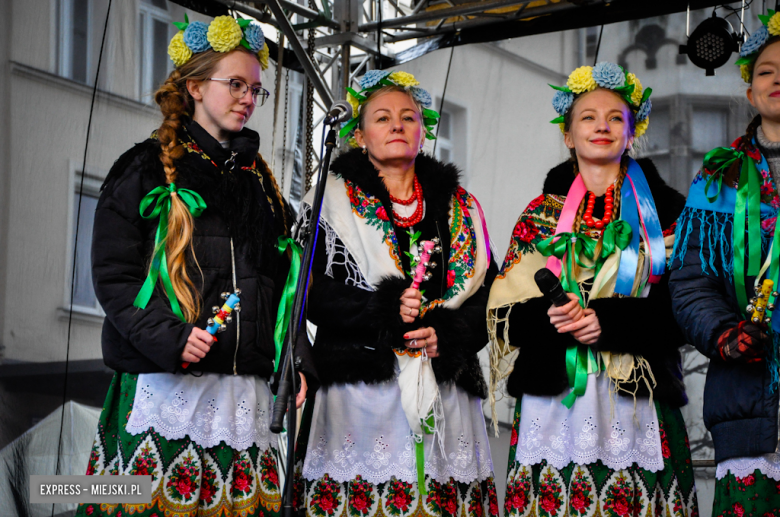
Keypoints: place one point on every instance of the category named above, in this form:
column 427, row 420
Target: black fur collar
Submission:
column 668, row 201
column 438, row 180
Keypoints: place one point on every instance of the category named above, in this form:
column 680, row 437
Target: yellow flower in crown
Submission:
column 747, row 72
column 403, row 79
column 636, row 95
column 178, row 51
column 224, row 34
column 773, row 25
column 354, row 102
column 641, row 127
column 581, row 80
column 262, row 56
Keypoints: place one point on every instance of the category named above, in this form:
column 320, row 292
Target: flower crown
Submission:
column 770, row 26
column 609, row 76
column 377, row 79
column 223, row 34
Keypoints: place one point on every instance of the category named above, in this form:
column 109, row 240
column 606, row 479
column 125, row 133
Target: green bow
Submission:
column 617, row 235
column 284, row 313
column 580, row 361
column 160, row 197
column 747, row 209
column 568, row 248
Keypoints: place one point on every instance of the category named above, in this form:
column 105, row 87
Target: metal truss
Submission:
column 354, row 36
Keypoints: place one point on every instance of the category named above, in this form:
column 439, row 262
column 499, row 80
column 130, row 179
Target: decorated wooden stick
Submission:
column 423, row 262
column 760, row 304
column 222, row 315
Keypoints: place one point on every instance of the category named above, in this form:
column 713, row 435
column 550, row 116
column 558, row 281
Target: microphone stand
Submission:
column 288, row 380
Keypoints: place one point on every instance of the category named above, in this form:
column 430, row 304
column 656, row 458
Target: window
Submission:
column 450, row 133
column 708, row 130
column 74, row 39
column 84, row 299
column 444, row 144
column 591, row 41
column 155, row 32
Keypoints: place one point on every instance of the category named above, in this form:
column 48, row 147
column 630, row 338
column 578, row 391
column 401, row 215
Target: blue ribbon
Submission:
column 630, row 210
column 649, row 214
column 629, row 257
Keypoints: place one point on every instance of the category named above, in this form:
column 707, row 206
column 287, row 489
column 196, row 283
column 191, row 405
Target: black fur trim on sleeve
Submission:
column 384, row 311
column 345, row 354
column 540, row 368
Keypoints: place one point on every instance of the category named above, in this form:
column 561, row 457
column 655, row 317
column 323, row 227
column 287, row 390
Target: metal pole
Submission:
column 308, row 66
column 345, row 55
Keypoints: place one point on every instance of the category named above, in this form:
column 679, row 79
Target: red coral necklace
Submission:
column 609, row 202
column 416, row 217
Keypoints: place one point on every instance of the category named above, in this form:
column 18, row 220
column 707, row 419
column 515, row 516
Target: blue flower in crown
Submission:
column 644, row 110
column 373, row 77
column 253, row 35
column 609, row 75
column 195, row 37
column 422, row 96
column 755, row 41
column 562, row 101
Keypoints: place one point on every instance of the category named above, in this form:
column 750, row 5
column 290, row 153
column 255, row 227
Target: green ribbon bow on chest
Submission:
column 160, row 198
column 570, row 247
column 747, row 211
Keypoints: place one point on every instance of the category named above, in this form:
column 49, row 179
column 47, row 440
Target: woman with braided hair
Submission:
column 597, row 427
column 192, row 213
column 724, row 287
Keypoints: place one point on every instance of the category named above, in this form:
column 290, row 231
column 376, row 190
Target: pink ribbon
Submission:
column 568, row 214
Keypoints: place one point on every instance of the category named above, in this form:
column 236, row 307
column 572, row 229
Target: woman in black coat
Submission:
column 189, row 214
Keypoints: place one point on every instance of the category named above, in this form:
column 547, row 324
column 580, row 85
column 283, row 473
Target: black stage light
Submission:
column 711, row 44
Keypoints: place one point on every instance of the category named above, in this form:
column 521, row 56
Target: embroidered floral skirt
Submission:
column 358, row 497
column 187, row 479
column 755, row 495
column 594, row 489
column 325, row 497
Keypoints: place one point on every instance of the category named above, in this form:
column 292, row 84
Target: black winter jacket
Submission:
column 357, row 329
column 640, row 326
column 241, row 204
column 740, row 410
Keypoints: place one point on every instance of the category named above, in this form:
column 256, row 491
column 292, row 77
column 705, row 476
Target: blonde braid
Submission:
column 181, row 224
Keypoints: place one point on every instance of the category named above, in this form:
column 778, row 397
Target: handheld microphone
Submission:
column 341, row 111
column 551, row 287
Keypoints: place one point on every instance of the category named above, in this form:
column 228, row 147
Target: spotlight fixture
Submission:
column 711, row 44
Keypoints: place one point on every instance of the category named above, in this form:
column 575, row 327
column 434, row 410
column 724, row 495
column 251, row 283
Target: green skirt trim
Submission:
column 187, row 479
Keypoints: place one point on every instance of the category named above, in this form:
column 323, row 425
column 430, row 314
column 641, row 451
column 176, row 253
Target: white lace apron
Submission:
column 767, row 464
column 586, row 433
column 209, row 409
column 361, row 429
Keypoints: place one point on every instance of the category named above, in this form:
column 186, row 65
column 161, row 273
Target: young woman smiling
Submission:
column 196, row 209
column 727, row 254
column 597, row 426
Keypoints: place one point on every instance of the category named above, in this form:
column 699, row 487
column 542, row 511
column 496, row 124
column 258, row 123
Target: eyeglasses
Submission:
column 238, row 89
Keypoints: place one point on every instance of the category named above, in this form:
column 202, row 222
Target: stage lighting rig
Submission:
column 711, row 44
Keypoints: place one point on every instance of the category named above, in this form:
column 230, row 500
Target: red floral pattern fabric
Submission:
column 187, row 480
